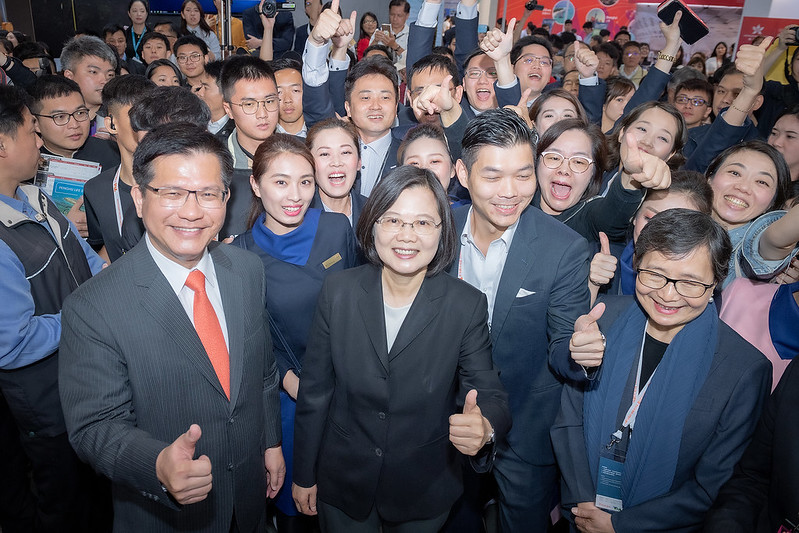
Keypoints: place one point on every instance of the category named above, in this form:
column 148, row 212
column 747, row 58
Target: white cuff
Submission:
column 428, row 15
column 590, row 81
column 466, row 12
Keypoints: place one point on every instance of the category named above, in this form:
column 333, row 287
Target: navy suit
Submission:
column 358, row 201
column 542, row 290
column 717, row 429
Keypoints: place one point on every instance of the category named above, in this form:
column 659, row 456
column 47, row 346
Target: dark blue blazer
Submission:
column 716, row 431
column 358, row 201
column 542, row 290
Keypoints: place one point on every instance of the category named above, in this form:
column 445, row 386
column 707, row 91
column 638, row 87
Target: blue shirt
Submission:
column 25, row 338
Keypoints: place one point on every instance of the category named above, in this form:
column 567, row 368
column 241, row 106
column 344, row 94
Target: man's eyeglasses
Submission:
column 211, row 198
column 569, row 57
column 250, row 107
column 62, row 119
column 696, row 102
column 422, row 226
column 633, row 54
column 191, row 58
column 684, row 287
column 577, row 163
column 475, row 73
column 529, row 59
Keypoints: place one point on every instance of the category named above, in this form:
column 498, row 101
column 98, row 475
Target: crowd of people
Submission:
column 337, row 278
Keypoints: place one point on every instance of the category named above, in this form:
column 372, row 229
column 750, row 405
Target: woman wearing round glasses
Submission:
column 398, row 379
column 648, row 443
column 572, row 156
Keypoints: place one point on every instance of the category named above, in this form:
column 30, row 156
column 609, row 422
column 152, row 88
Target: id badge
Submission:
column 608, row 485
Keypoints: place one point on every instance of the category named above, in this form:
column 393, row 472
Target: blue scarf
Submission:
column 655, row 442
column 626, row 270
column 783, row 321
column 293, row 247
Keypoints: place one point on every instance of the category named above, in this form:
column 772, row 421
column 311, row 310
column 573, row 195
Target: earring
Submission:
column 710, row 301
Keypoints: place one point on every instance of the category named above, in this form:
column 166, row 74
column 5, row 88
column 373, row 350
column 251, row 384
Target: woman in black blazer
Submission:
column 394, row 349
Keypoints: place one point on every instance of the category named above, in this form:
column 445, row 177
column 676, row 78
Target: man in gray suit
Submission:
column 167, row 377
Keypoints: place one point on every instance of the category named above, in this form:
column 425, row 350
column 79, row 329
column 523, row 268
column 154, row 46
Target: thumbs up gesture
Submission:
column 326, row 25
column 603, row 266
column 585, row 59
column 345, row 31
column 497, row 44
column 187, row 479
column 749, row 60
column 587, row 344
column 469, row 431
column 645, row 169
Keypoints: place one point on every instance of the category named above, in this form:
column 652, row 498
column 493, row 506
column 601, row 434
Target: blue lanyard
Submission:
column 135, row 42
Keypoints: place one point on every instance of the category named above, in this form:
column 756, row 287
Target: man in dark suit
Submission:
column 167, row 356
column 534, row 270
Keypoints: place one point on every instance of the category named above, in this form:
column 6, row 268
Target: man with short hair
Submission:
column 251, row 100
column 288, row 76
column 533, row 270
column 567, row 27
column 154, row 46
column 430, row 70
column 191, row 54
column 42, row 260
column 525, row 65
column 397, row 40
column 89, row 62
column 167, row 378
column 169, row 30
column 114, row 36
column 631, row 63
column 210, row 92
column 693, row 99
column 608, row 56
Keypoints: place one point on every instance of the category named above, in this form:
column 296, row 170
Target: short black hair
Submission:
column 435, row 62
column 150, row 35
column 630, row 44
column 611, row 50
column 50, row 86
column 370, row 66
column 588, row 24
column 676, row 233
column 516, row 51
column 477, row 52
column 164, row 104
column 286, row 63
column 494, row 127
column 381, row 48
column 191, row 39
column 422, row 131
column 697, row 84
column 243, row 67
column 13, row 103
column 178, row 138
column 694, row 186
column 125, row 90
column 386, row 193
column 622, row 32
column 404, row 3
column 604, row 32
column 163, row 63
column 214, row 70
column 444, row 51
column 112, row 29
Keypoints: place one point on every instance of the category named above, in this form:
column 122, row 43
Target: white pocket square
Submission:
column 524, row 292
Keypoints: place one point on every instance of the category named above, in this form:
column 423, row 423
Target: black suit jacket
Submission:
column 133, row 376
column 372, row 425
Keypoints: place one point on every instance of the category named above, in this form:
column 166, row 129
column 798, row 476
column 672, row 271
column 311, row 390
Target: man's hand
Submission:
column 188, row 480
column 590, row 519
column 469, row 431
column 326, row 25
column 603, row 267
column 587, row 344
column 521, row 108
column 345, row 31
column 78, row 217
column 585, row 60
column 435, row 98
column 672, row 32
column 275, row 470
column 304, row 499
column 253, row 42
column 749, row 60
column 497, row 44
column 647, row 170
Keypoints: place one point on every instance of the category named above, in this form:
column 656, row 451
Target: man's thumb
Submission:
column 586, row 322
column 188, row 440
column 604, row 243
column 353, row 16
column 511, row 26
column 470, row 404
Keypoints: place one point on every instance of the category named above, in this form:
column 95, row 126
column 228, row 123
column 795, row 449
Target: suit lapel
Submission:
column 517, row 267
column 370, row 305
column 232, row 291
column 420, row 315
column 159, row 300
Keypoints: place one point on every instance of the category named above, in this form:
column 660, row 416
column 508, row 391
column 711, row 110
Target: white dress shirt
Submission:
column 373, row 157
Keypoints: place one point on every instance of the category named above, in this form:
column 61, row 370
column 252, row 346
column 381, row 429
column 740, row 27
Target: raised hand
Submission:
column 585, row 60
column 435, row 99
column 497, row 44
column 469, row 431
column 672, row 31
column 603, row 267
column 78, row 217
column 647, row 170
column 521, row 108
column 749, row 60
column 326, row 25
column 587, row 344
column 187, row 479
column 345, row 31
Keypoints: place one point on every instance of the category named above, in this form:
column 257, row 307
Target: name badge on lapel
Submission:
column 327, row 263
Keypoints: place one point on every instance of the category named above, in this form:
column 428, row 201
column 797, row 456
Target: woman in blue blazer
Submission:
column 299, row 247
column 398, row 380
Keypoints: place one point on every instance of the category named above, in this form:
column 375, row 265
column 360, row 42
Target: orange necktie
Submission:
column 210, row 332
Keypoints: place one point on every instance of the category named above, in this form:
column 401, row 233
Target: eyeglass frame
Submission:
column 668, row 280
column 69, row 116
column 414, row 228
column 189, row 192
column 188, row 58
column 569, row 159
column 693, row 100
column 480, row 75
column 529, row 61
column 258, row 104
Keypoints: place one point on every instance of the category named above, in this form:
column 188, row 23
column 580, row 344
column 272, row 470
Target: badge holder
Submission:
column 609, row 474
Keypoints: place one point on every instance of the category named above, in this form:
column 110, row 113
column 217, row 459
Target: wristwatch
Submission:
column 666, row 57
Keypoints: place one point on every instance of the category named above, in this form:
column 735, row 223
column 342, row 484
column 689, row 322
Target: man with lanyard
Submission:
column 107, row 196
column 42, row 260
column 397, row 40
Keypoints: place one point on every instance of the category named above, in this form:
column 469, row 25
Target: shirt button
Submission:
column 230, row 420
column 230, row 467
column 378, row 452
column 381, row 416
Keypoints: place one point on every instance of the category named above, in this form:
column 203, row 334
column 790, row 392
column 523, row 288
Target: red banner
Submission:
column 752, row 27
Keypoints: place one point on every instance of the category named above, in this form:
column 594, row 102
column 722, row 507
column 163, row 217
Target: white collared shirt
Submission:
column 484, row 271
column 373, row 157
column 214, row 127
column 302, row 133
column 176, row 276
